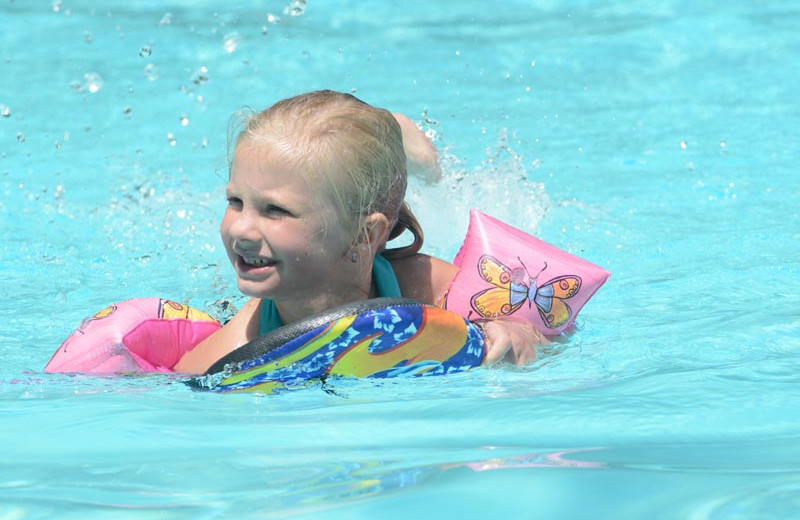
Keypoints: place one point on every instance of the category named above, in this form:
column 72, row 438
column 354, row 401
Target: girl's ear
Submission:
column 376, row 226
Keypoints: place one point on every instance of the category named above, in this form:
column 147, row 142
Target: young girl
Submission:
column 315, row 193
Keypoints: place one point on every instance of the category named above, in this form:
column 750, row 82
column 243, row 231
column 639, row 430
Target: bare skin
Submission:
column 421, row 155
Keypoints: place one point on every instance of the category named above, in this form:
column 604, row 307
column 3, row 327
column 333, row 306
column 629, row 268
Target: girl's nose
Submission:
column 242, row 227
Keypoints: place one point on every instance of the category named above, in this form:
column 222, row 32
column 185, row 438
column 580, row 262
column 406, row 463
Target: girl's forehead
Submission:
column 263, row 166
column 284, row 154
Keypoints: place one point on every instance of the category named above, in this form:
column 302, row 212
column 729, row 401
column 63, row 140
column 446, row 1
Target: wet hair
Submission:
column 352, row 149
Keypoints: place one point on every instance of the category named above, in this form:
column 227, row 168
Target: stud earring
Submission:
column 354, row 257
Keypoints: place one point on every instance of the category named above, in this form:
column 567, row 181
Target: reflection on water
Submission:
column 335, row 483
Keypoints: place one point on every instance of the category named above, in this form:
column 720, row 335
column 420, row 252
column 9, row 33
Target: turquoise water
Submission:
column 658, row 141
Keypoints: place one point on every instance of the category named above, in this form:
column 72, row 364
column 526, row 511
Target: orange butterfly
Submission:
column 512, row 287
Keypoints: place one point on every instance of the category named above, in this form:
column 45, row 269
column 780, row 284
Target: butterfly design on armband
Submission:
column 511, row 287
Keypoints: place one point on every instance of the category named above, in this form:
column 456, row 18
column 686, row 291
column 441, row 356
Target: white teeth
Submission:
column 257, row 262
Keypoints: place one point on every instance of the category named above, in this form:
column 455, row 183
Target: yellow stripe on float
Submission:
column 334, row 330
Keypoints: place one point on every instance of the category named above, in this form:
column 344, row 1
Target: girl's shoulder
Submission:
column 423, row 277
column 241, row 329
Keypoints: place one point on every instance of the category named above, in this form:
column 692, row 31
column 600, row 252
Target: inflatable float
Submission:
column 504, row 273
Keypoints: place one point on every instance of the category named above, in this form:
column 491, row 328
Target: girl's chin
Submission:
column 253, row 290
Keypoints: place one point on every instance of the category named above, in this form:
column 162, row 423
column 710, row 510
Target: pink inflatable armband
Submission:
column 139, row 335
column 507, row 272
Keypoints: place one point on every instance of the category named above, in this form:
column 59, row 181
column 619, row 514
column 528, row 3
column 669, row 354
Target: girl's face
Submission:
column 285, row 242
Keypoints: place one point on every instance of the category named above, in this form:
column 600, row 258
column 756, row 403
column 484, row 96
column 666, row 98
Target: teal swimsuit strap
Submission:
column 382, row 276
column 268, row 319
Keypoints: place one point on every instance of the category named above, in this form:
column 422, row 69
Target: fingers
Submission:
column 511, row 341
column 498, row 343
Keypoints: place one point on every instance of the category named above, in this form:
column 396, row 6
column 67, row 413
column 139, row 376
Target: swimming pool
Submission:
column 656, row 141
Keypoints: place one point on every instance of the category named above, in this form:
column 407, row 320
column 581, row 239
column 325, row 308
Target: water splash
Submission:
column 501, row 186
column 151, row 72
column 93, row 82
column 295, row 8
column 200, row 77
column 231, row 41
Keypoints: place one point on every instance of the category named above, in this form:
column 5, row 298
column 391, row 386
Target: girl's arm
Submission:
column 422, row 159
column 423, row 277
column 428, row 278
column 242, row 329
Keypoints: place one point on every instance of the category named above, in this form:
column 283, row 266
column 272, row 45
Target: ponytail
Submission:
column 405, row 221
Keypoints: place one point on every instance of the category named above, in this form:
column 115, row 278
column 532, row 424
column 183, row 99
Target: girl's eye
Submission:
column 276, row 211
column 235, row 202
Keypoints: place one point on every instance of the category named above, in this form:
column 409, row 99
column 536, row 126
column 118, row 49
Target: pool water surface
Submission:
column 657, row 141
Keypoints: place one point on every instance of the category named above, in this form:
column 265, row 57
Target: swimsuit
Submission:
column 382, row 276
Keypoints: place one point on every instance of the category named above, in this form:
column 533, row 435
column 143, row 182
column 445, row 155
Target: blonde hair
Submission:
column 364, row 145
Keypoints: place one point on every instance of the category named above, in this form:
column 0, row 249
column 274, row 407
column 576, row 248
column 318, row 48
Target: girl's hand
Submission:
column 511, row 341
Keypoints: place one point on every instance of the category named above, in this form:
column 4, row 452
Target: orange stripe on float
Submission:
column 441, row 335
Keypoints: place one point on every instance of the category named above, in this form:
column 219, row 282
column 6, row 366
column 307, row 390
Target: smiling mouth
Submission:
column 253, row 264
column 257, row 262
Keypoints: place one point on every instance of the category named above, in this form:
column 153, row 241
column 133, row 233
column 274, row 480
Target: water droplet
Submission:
column 58, row 194
column 57, row 6
column 201, row 76
column 145, row 51
column 533, row 63
column 273, row 19
column 723, row 144
column 20, row 137
column 93, row 82
column 683, row 145
column 88, row 37
column 165, row 20
column 151, row 72
column 264, row 30
column 231, row 41
column 5, row 111
column 127, row 111
column 184, row 120
column 295, row 8
column 171, row 139
column 204, row 142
